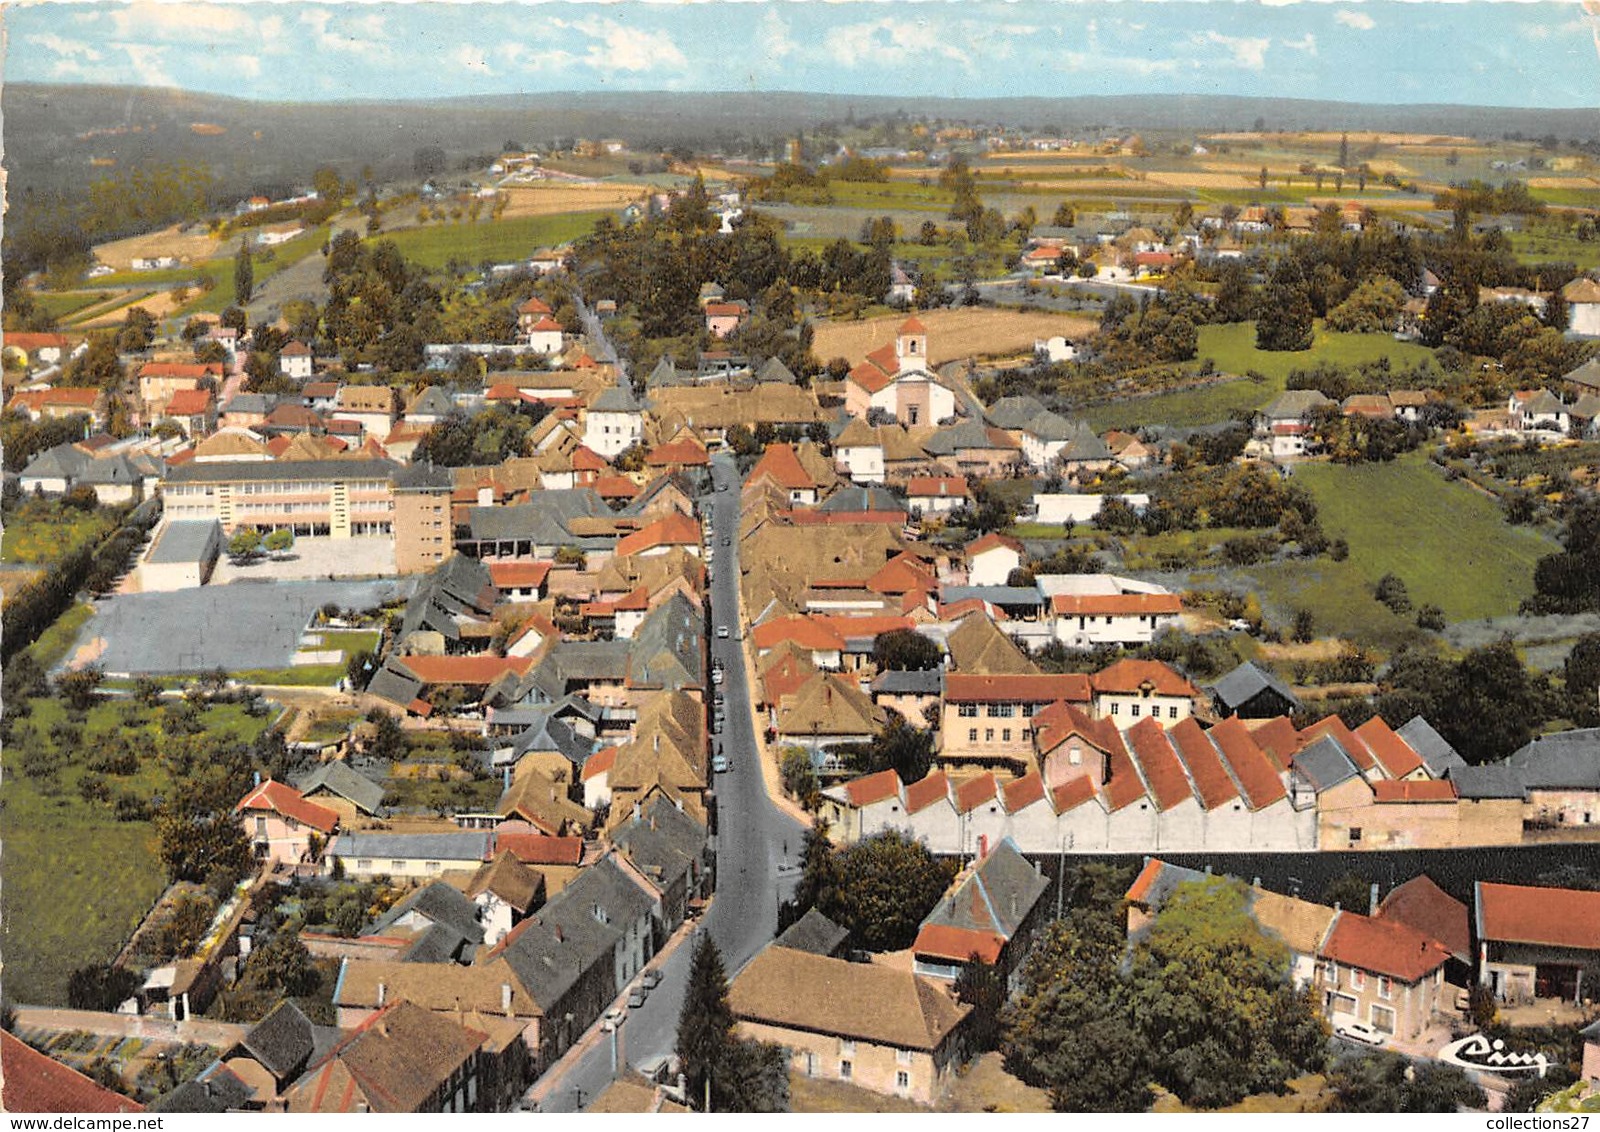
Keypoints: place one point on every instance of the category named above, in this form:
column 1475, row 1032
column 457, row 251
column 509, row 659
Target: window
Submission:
column 811, row 1065
column 847, row 1047
column 1005, row 735
column 988, row 734
column 1358, row 979
column 1382, row 1019
column 968, row 711
column 397, row 866
column 903, row 1056
column 261, row 827
column 1172, row 712
column 1385, row 986
column 364, row 866
column 902, row 1079
column 1005, row 711
column 845, row 1070
column 1355, row 834
column 972, row 734
column 1135, row 711
column 1114, row 707
column 1027, row 734
column 1330, row 972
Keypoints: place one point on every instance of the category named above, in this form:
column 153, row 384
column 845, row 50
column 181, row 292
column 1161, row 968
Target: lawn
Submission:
column 77, row 880
column 69, row 303
column 1445, row 540
column 54, row 643
column 1232, row 346
column 496, row 241
column 42, row 534
column 1546, row 246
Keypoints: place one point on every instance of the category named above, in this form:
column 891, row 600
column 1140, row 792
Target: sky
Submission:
column 1511, row 53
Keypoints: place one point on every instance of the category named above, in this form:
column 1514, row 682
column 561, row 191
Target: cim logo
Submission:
column 1479, row 1052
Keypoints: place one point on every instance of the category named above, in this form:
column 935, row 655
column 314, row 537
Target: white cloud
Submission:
column 67, row 48
column 773, row 37
column 1086, row 61
column 181, row 23
column 1307, row 43
column 622, row 48
column 892, row 43
column 1353, row 19
column 148, row 63
column 1249, row 52
column 362, row 35
column 247, row 65
column 471, row 60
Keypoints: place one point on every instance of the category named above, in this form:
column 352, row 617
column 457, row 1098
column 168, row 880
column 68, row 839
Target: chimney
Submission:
column 505, row 998
column 381, row 990
column 1372, row 900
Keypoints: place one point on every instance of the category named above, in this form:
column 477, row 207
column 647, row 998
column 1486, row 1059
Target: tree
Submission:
column 1305, row 626
column 327, row 184
column 138, row 331
column 799, row 777
column 1391, row 591
column 278, row 540
column 1284, row 320
column 1372, row 308
column 1431, row 618
column 100, row 988
column 902, row 650
column 1387, row 1082
column 899, row 746
column 388, row 738
column 245, row 543
column 982, row 986
column 1582, row 681
column 191, row 846
column 244, row 274
column 1350, row 891
column 887, row 884
column 735, row 1075
column 80, row 687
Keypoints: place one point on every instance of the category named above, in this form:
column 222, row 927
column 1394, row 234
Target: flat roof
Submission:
column 185, row 540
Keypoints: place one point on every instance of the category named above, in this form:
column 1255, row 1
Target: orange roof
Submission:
column 1212, row 785
column 885, row 358
column 1024, row 791
column 297, row 349
column 470, row 670
column 534, row 305
column 676, row 529
column 992, row 540
column 873, row 788
column 724, row 310
column 804, row 631
column 23, row 340
column 913, row 325
column 870, row 377
column 1145, row 881
column 924, row 793
column 975, row 792
column 1124, row 787
column 502, row 391
column 284, row 799
column 1043, row 688
column 195, row 370
column 544, row 325
column 687, row 452
column 952, row 486
column 902, row 574
column 586, row 459
column 189, row 403
column 1055, row 723
column 1348, row 739
column 785, row 678
column 1115, row 605
column 598, row 763
column 780, row 463
column 537, row 849
column 1134, row 675
column 944, row 941
column 1277, row 738
column 1073, row 793
column 1253, row 767
column 1387, row 947
column 1392, row 752
column 87, row 398
column 1553, row 917
column 511, row 575
column 1388, row 790
column 1162, row 770
column 615, row 487
column 847, row 627
column 34, row 1082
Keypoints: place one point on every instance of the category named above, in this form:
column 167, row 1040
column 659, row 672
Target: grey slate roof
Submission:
column 773, row 370
column 1050, row 426
column 185, row 540
column 283, row 1042
column 1246, row 682
column 554, row 735
column 543, row 520
column 663, row 843
column 457, row 586
column 64, row 461
column 1499, row 781
column 1325, row 764
column 668, row 648
column 1586, row 375
column 996, row 896
column 217, row 1090
column 250, row 403
column 1566, row 760
column 995, row 595
column 854, row 498
column 227, row 471
column 438, row 902
column 1437, row 755
column 913, row 682
column 1014, row 412
column 424, row 477
column 338, row 778
column 968, row 434
column 574, row 662
column 618, row 398
column 1083, row 444
column 393, row 683
column 470, row 845
column 815, row 933
column 433, row 401
column 1294, row 404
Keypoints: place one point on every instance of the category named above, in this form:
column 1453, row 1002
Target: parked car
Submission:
column 615, row 1015
column 1352, row 1029
column 636, row 997
column 716, row 675
column 720, row 764
column 722, row 632
column 650, row 980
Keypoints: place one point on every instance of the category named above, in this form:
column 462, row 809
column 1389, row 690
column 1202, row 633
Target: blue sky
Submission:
column 1477, row 52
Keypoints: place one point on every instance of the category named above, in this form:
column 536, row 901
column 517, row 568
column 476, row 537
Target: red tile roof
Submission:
column 807, row 632
column 902, row 574
column 944, row 941
column 534, row 305
column 687, row 452
column 1212, row 784
column 724, row 310
column 1425, row 906
column 1162, row 770
column 1277, row 737
column 1385, row 947
column 870, row 377
column 507, row 575
column 1072, row 793
column 1258, row 776
column 599, row 763
column 1042, row 688
column 1024, row 791
column 1144, row 882
column 537, row 849
column 23, row 340
column 992, row 540
column 925, row 792
column 937, row 486
column 1134, row 675
column 780, row 463
column 1053, row 725
column 873, row 788
column 615, row 487
column 586, row 459
column 871, row 626
column 1124, row 787
column 1392, row 752
column 189, row 403
column 284, row 799
column 544, row 325
column 913, row 325
column 470, row 670
column 1553, row 917
column 1115, row 605
column 34, row 1082
column 1388, row 790
column 676, row 529
column 975, row 792
column 194, row 370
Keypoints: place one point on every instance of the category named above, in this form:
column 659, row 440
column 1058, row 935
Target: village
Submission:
column 795, row 631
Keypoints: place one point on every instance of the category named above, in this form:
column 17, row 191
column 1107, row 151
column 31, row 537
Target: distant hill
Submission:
column 58, row 137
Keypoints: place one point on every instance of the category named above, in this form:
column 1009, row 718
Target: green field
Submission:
column 1543, row 246
column 1446, row 541
column 45, row 534
column 1232, row 346
column 77, row 880
column 69, row 303
column 216, row 300
column 496, row 241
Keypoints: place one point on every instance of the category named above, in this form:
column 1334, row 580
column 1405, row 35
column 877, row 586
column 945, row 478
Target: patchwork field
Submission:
column 495, row 241
column 952, row 334
column 191, row 247
column 558, row 198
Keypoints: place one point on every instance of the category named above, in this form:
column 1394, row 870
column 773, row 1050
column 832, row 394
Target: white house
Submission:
column 543, row 336
column 1085, row 620
column 294, row 361
column 1075, row 507
column 991, row 559
column 1583, row 307
column 1539, row 410
column 615, row 421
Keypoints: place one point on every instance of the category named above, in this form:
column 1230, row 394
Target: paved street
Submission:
column 757, row 846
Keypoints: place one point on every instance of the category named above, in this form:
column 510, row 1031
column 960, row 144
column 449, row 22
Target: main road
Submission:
column 757, row 845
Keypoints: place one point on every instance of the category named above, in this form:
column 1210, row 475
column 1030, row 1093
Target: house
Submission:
column 875, row 1027
column 1084, row 620
column 668, row 848
column 989, row 720
column 814, row 933
column 347, row 792
column 1539, row 410
column 419, row 856
column 282, row 826
column 783, row 466
column 1127, row 690
column 59, row 404
column 434, row 924
column 614, row 421
column 896, row 380
column 28, row 351
column 274, row 1053
column 991, row 911
column 1420, row 903
column 374, row 407
column 937, row 495
column 1583, row 306
column 506, row 892
column 295, row 361
column 402, row 1059
column 991, row 559
column 1382, row 972
column 1536, row 942
column 33, row 1082
column 722, row 319
column 1252, row 692
column 194, row 411
column 1284, row 429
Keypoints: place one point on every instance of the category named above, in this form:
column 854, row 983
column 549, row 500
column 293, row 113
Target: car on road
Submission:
column 720, row 764
column 1354, row 1030
column 650, row 980
column 726, row 541
column 716, row 675
column 722, row 632
column 722, row 487
column 615, row 1015
column 636, row 997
